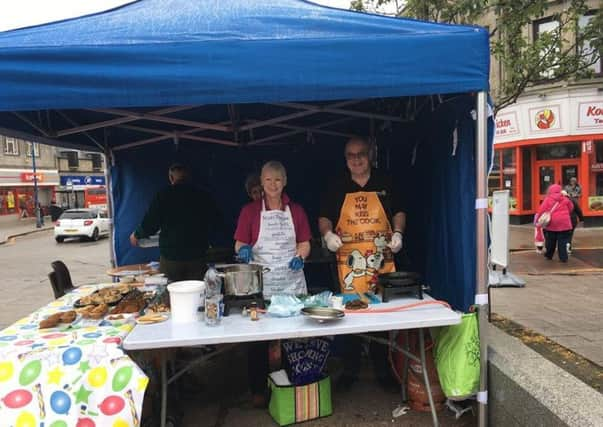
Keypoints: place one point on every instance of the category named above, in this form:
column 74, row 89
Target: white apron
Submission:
column 276, row 246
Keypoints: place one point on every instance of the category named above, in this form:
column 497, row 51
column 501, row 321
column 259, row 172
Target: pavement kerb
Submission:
column 573, row 272
column 584, row 248
column 25, row 233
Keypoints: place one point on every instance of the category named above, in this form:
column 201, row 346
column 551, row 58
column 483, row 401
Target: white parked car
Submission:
column 88, row 223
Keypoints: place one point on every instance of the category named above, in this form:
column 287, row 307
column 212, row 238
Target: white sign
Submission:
column 590, row 115
column 499, row 249
column 507, row 124
column 545, row 118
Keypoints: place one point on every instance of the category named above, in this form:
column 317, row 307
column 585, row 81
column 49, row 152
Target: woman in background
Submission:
column 557, row 232
column 253, row 186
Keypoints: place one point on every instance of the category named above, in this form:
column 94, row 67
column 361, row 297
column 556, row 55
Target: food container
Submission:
column 242, row 279
column 213, row 310
column 185, row 299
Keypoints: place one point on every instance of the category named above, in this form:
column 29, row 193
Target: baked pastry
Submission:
column 56, row 318
column 94, row 311
column 356, row 305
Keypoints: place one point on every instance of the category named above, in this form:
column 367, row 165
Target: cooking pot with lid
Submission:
column 242, row 279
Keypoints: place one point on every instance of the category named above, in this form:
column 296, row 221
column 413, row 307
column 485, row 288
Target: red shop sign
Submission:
column 29, row 176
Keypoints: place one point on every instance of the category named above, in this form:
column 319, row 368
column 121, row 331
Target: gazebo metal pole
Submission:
column 481, row 213
column 37, row 210
column 109, row 190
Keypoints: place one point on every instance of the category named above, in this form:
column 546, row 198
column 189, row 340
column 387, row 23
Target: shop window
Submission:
column 586, row 49
column 7, row 202
column 73, row 161
column 36, row 149
column 546, row 31
column 509, row 181
column 11, row 146
column 558, row 151
column 595, row 184
column 494, row 177
column 526, row 169
column 546, row 178
column 599, row 152
column 503, row 175
column 97, row 161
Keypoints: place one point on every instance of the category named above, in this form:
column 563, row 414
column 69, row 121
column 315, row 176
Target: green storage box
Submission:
column 295, row 404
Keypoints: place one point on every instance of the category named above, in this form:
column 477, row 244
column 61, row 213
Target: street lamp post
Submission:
column 35, row 181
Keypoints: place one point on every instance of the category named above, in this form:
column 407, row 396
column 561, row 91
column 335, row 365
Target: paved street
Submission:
column 559, row 301
column 26, row 264
column 567, row 309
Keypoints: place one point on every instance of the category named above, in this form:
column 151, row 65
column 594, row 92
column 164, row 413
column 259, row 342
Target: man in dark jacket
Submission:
column 184, row 214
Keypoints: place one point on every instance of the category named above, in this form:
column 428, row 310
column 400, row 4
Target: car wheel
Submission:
column 95, row 234
column 59, row 239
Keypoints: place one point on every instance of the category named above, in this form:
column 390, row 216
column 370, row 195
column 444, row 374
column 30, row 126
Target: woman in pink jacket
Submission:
column 557, row 232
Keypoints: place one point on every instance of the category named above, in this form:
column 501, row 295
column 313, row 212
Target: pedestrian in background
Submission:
column 573, row 189
column 576, row 217
column 558, row 230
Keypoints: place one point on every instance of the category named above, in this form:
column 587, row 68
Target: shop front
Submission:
column 82, row 191
column 542, row 141
column 17, row 190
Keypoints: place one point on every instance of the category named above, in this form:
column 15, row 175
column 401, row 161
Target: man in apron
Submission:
column 274, row 232
column 362, row 220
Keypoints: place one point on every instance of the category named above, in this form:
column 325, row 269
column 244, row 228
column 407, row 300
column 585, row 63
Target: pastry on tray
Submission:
column 64, row 317
column 93, row 311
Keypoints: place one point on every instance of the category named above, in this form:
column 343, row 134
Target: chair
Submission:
column 60, row 279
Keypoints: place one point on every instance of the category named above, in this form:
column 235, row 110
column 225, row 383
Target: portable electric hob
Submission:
column 399, row 283
column 238, row 302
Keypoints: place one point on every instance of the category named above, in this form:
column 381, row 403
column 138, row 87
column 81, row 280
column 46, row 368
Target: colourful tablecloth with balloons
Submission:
column 75, row 375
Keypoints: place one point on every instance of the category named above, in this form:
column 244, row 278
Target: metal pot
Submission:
column 243, row 279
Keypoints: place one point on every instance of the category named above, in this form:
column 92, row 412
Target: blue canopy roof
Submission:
column 183, row 52
column 65, row 83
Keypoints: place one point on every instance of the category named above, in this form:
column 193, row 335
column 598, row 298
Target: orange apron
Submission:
column 365, row 231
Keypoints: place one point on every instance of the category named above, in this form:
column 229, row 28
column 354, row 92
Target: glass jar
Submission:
column 213, row 309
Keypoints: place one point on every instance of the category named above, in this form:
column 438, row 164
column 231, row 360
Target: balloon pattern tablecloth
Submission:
column 74, row 375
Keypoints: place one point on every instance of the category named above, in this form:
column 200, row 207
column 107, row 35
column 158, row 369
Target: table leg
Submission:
column 434, row 415
column 164, row 386
column 405, row 368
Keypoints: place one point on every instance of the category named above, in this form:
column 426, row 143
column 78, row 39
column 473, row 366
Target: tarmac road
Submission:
column 26, row 264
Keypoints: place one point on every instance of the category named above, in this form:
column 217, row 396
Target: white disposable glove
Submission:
column 333, row 241
column 395, row 243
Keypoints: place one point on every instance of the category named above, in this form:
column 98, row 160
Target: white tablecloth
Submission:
column 236, row 328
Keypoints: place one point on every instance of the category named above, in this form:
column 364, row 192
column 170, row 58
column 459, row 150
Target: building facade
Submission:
column 549, row 139
column 82, row 179
column 67, row 178
column 17, row 177
column 552, row 133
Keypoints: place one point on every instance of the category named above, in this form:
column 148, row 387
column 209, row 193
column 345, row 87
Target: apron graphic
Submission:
column 274, row 249
column 364, row 230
